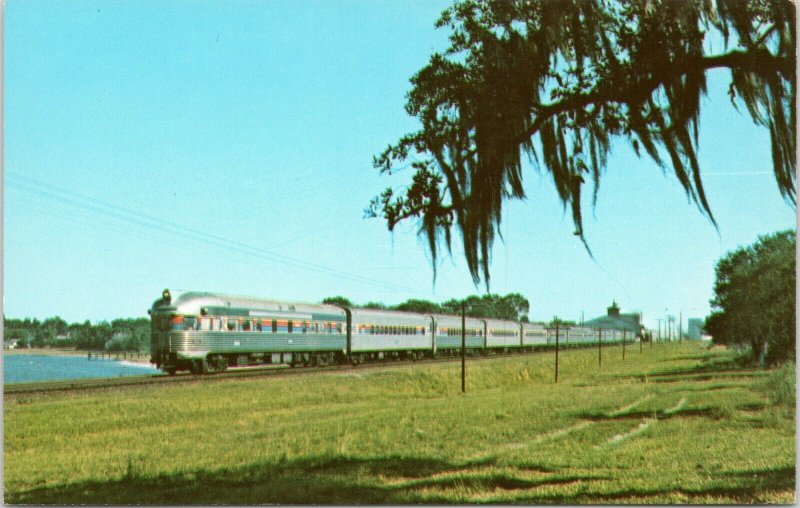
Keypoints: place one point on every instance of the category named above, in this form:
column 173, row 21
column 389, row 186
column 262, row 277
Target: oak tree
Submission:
column 557, row 82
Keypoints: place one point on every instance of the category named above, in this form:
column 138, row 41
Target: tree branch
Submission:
column 755, row 60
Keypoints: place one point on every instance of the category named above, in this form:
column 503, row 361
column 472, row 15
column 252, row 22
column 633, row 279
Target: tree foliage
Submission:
column 512, row 306
column 557, row 82
column 754, row 300
column 131, row 334
column 338, row 300
column 420, row 307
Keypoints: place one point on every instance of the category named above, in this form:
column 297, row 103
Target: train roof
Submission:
column 501, row 322
column 200, row 302
column 451, row 320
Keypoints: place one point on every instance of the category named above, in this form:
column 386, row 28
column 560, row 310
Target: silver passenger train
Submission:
column 207, row 332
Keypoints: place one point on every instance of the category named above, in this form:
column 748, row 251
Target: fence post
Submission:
column 556, row 351
column 623, row 344
column 463, row 350
column 600, row 347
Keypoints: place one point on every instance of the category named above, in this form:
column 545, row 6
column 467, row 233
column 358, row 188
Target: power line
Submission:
column 143, row 220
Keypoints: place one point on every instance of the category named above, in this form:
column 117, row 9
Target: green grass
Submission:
column 673, row 424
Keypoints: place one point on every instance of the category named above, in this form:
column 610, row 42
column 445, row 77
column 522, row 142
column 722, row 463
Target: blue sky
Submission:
column 227, row 146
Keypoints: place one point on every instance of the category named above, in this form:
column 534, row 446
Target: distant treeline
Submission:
column 512, row 306
column 132, row 334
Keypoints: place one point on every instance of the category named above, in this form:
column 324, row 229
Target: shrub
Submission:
column 781, row 384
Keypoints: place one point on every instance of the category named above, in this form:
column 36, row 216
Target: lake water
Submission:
column 27, row 368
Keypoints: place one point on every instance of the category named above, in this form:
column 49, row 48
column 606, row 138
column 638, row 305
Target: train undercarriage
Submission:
column 171, row 362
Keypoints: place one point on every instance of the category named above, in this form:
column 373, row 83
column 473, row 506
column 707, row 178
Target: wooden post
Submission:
column 599, row 347
column 623, row 344
column 556, row 351
column 641, row 339
column 463, row 350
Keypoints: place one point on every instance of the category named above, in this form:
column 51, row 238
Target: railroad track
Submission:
column 250, row 372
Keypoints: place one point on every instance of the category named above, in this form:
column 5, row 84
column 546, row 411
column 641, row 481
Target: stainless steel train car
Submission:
column 534, row 334
column 448, row 333
column 207, row 332
column 501, row 334
column 379, row 333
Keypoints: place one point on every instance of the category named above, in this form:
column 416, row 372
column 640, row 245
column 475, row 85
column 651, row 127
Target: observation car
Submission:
column 207, row 332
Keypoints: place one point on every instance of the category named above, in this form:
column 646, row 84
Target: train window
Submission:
column 305, row 326
column 338, row 327
column 316, row 327
column 246, row 325
column 289, row 326
column 232, row 325
column 176, row 323
column 274, row 326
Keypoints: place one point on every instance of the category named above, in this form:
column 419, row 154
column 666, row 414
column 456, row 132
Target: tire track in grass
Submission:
column 618, row 438
column 625, row 409
column 677, row 407
column 538, row 439
column 644, row 424
column 579, row 426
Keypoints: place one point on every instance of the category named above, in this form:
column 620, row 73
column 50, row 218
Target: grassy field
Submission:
column 673, row 424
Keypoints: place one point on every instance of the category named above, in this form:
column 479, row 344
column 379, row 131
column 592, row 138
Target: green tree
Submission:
column 557, row 82
column 512, row 306
column 561, row 322
column 754, row 298
column 373, row 305
column 419, row 306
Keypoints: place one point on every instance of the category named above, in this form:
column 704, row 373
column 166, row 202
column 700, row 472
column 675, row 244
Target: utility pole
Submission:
column 658, row 337
column 463, row 349
column 599, row 347
column 671, row 328
column 680, row 327
column 623, row 344
column 556, row 350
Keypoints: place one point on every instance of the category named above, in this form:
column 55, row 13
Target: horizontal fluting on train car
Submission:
column 192, row 327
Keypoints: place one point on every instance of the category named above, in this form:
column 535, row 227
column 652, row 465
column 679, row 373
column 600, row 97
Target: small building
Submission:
column 694, row 328
column 10, row 344
column 615, row 320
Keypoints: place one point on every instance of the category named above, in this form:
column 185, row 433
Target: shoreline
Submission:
column 141, row 358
